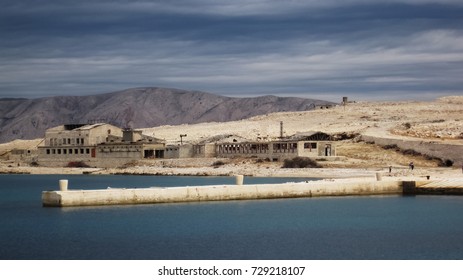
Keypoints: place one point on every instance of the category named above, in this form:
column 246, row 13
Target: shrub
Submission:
column 411, row 152
column 345, row 136
column 300, row 162
column 391, row 147
column 218, row 163
column 447, row 163
column 78, row 164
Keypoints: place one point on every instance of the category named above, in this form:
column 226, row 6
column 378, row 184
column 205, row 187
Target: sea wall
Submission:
column 435, row 149
column 91, row 162
column 219, row 192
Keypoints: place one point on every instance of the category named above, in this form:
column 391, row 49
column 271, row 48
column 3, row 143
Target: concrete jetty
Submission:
column 66, row 198
column 438, row 187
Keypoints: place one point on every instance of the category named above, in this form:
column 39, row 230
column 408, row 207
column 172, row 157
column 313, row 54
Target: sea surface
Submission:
column 373, row 227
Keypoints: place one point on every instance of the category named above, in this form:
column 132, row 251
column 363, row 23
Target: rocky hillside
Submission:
column 140, row 107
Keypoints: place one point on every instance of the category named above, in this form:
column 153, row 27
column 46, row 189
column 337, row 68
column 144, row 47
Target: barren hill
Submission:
column 437, row 120
column 139, row 107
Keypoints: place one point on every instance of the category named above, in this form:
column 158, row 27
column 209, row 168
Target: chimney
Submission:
column 281, row 129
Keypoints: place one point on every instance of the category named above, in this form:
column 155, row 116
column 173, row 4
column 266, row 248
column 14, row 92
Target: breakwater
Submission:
column 65, row 198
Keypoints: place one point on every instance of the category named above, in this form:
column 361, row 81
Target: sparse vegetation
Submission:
column 300, row 162
column 391, row 147
column 261, row 160
column 78, row 164
column 218, row 163
column 447, row 163
column 345, row 136
column 411, row 152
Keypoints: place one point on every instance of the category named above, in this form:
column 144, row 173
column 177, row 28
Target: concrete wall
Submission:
column 91, row 162
column 185, row 151
column 435, row 149
column 204, row 150
column 220, row 192
column 68, row 153
column 171, row 152
column 132, row 152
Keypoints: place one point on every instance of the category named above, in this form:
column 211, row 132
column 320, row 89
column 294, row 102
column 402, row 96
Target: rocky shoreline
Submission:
column 398, row 173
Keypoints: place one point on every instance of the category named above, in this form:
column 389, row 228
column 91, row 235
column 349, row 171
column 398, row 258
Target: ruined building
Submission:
column 105, row 145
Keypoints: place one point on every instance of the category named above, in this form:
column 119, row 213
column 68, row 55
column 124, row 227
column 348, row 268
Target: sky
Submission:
column 324, row 49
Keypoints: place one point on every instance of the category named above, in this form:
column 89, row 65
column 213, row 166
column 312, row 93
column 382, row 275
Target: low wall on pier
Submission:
column 220, row 192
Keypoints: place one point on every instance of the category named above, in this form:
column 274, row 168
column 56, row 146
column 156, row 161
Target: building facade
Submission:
column 105, row 145
column 309, row 144
column 96, row 145
column 277, row 150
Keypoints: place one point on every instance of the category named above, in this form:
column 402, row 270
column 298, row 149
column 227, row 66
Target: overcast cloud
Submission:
column 369, row 50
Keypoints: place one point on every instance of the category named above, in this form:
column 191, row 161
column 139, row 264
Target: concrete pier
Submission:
column 441, row 187
column 218, row 192
column 65, row 197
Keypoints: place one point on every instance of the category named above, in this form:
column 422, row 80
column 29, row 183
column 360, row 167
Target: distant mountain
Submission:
column 136, row 108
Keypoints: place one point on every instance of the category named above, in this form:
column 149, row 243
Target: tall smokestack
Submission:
column 281, row 129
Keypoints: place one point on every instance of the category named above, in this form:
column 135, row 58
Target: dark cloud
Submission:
column 312, row 48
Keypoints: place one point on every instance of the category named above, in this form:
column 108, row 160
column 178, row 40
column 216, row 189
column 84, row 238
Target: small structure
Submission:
column 310, row 144
column 206, row 148
column 132, row 145
column 324, row 106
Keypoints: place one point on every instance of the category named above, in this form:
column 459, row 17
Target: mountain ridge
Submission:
column 136, row 108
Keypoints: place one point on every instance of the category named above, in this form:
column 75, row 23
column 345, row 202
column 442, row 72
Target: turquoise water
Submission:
column 376, row 227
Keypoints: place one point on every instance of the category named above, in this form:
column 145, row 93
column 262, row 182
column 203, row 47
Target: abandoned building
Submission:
column 105, row 145
column 310, row 144
column 101, row 145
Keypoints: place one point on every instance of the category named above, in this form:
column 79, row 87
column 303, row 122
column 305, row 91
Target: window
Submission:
column 65, row 151
column 81, row 151
column 78, row 140
column 310, row 145
column 48, row 151
column 87, row 151
column 76, row 151
column 70, row 151
column 59, row 151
